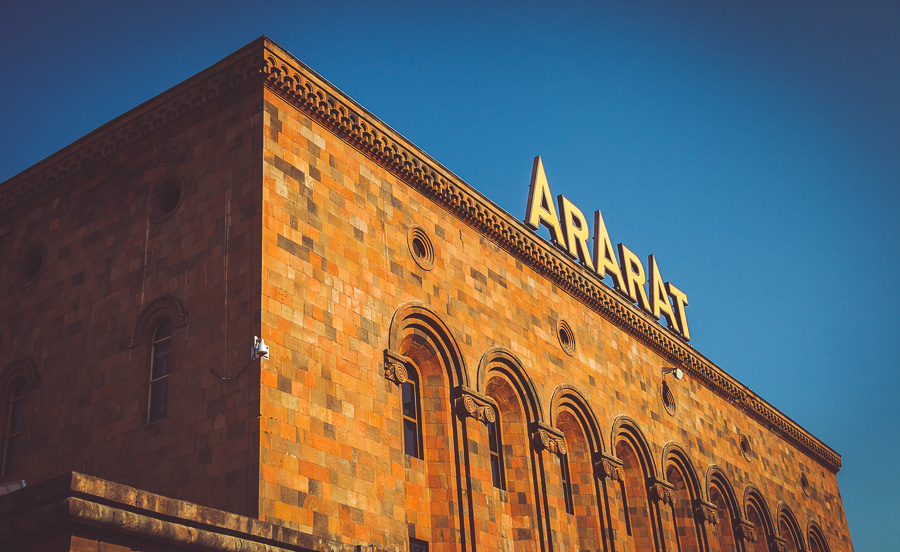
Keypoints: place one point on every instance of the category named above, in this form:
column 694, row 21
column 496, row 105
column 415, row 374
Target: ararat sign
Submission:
column 570, row 233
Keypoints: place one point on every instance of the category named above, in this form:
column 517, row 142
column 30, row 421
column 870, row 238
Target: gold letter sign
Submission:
column 627, row 273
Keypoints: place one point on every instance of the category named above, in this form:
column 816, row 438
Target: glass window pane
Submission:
column 495, row 471
column 160, row 361
column 163, row 331
column 11, row 461
column 410, row 438
column 18, row 389
column 17, row 416
column 409, row 400
column 492, row 438
column 159, row 397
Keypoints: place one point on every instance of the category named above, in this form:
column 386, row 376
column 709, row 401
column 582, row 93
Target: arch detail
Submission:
column 785, row 515
column 500, row 360
column 675, row 453
column 754, row 497
column 416, row 319
column 21, row 368
column 626, row 427
column 168, row 305
column 715, row 476
column 815, row 538
column 569, row 396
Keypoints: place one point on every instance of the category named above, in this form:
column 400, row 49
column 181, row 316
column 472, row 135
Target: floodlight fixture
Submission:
column 677, row 372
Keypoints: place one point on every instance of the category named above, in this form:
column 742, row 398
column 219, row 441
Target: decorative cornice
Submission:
column 330, row 107
column 207, row 88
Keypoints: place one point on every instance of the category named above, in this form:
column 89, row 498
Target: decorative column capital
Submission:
column 744, row 530
column 662, row 491
column 706, row 512
column 471, row 404
column 547, row 437
column 609, row 466
column 396, row 367
column 777, row 544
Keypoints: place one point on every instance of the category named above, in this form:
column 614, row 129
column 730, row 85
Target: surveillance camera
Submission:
column 260, row 349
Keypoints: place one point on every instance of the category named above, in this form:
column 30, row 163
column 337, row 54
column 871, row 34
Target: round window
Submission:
column 420, row 247
column 166, row 198
column 32, row 265
column 566, row 337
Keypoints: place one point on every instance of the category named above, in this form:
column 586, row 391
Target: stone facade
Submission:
column 400, row 305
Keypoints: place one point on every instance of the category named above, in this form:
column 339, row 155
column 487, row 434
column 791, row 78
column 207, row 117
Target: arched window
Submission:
column 497, row 470
column 412, row 426
column 160, row 348
column 790, row 530
column 566, row 483
column 15, row 421
column 758, row 516
column 721, row 494
column 816, row 540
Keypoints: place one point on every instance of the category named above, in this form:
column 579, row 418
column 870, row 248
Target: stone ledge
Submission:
column 76, row 503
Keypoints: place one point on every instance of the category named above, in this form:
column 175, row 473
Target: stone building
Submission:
column 440, row 377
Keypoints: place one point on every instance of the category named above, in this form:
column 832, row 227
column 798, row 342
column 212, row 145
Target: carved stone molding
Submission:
column 744, row 530
column 472, row 404
column 609, row 466
column 546, row 437
column 170, row 306
column 21, row 368
column 662, row 491
column 706, row 512
column 396, row 367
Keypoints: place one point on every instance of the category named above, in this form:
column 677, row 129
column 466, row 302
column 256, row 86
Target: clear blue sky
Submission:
column 753, row 147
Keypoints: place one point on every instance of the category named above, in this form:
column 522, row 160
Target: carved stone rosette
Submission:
column 545, row 437
column 609, row 466
column 471, row 404
column 396, row 367
column 662, row 491
column 706, row 512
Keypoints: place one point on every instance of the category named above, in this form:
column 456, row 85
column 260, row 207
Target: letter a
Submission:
column 604, row 254
column 540, row 205
column 659, row 298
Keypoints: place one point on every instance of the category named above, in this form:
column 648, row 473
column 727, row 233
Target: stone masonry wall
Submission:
column 80, row 331
column 341, row 286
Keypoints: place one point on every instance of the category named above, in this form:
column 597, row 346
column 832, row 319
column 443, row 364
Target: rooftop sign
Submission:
column 570, row 234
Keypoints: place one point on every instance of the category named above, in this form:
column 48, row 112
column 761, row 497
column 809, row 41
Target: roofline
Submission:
column 264, row 62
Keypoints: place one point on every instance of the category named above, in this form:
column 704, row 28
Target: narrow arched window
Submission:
column 497, row 470
column 412, row 419
column 160, row 348
column 566, row 483
column 15, row 421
